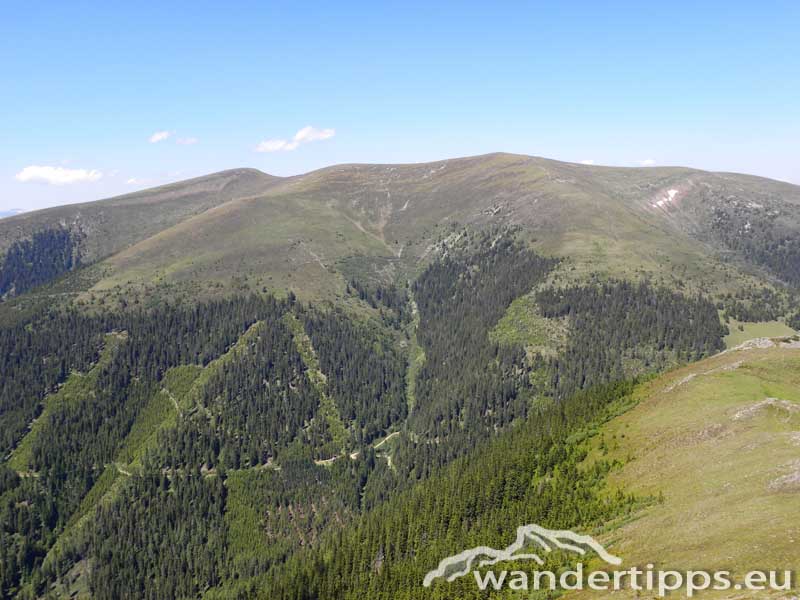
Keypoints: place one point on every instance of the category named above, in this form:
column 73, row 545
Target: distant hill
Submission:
column 715, row 232
column 112, row 224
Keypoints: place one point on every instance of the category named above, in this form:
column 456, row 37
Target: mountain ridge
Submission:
column 17, row 214
column 19, row 225
column 312, row 232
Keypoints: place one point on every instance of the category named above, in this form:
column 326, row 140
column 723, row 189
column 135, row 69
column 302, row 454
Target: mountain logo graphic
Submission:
column 546, row 539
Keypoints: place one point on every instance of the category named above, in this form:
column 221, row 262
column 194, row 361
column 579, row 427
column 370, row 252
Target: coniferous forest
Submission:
column 31, row 262
column 262, row 447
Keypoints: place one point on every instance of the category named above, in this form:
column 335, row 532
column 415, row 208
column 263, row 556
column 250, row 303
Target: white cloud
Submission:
column 271, row 145
column 159, row 136
column 309, row 134
column 304, row 136
column 133, row 181
column 647, row 162
column 57, row 175
column 589, row 161
column 187, row 141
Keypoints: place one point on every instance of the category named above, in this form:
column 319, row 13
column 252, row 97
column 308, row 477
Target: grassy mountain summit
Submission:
column 310, row 233
column 387, row 218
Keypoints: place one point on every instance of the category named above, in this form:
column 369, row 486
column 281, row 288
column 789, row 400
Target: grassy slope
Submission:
column 160, row 413
column 522, row 324
column 311, row 232
column 701, row 437
column 115, row 223
column 272, row 242
column 751, row 331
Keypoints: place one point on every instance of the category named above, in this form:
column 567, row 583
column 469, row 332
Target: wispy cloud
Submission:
column 272, row 146
column 309, row 134
column 304, row 136
column 57, row 175
column 159, row 136
column 589, row 161
column 647, row 162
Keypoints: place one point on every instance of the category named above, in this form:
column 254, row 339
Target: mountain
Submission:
column 107, row 226
column 312, row 232
column 320, row 386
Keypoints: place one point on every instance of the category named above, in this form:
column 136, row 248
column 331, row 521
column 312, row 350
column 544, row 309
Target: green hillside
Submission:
column 112, row 224
column 719, row 441
column 717, row 233
column 385, row 219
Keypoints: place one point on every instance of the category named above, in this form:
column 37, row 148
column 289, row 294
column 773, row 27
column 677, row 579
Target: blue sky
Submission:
column 86, row 86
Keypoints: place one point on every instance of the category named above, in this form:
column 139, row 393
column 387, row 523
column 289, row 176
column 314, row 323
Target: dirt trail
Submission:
column 174, row 401
column 314, row 255
column 386, row 439
column 378, row 238
column 356, row 454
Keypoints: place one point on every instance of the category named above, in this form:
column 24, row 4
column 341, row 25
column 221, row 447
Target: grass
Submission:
column 73, row 585
column 523, row 325
column 117, row 223
column 276, row 243
column 724, row 506
column 104, row 490
column 416, row 358
column 741, row 332
column 160, row 413
column 243, row 230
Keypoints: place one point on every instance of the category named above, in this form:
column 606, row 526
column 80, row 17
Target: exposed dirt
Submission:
column 749, row 412
column 789, row 482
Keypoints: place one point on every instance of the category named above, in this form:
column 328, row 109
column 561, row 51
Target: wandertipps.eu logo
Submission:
column 533, row 543
column 529, row 537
